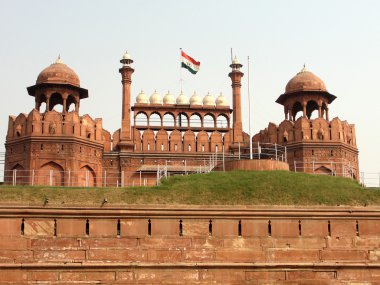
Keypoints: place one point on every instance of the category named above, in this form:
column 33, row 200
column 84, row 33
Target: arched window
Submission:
column 222, row 122
column 56, row 102
column 182, row 120
column 70, row 103
column 208, row 121
column 312, row 110
column 141, row 119
column 195, row 121
column 297, row 110
column 155, row 119
column 168, row 120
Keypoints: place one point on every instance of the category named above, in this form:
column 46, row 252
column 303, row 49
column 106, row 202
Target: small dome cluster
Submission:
column 182, row 99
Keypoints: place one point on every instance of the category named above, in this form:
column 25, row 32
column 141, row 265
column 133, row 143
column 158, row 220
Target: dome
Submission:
column 59, row 73
column 305, row 81
column 195, row 99
column 155, row 98
column 221, row 100
column 126, row 56
column 182, row 99
column 208, row 100
column 142, row 98
column 169, row 98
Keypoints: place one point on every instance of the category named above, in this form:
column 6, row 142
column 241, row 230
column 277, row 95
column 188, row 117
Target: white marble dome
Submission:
column 169, row 98
column 155, row 98
column 182, row 99
column 142, row 98
column 208, row 100
column 195, row 99
column 221, row 100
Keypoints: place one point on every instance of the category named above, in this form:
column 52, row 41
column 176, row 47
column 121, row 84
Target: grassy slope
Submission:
column 230, row 188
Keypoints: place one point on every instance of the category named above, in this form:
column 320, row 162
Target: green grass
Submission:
column 230, row 188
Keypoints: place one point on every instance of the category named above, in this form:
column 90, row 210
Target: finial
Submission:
column 304, row 68
column 59, row 60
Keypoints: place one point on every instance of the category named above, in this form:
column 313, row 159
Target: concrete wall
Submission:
column 240, row 246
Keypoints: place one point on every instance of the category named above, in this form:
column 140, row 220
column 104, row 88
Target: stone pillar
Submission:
column 304, row 104
column 48, row 102
column 327, row 114
column 286, row 113
column 320, row 111
column 64, row 100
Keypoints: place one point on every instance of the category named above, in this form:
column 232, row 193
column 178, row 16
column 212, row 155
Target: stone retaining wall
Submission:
column 190, row 245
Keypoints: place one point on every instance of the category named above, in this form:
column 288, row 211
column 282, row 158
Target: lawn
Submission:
column 215, row 188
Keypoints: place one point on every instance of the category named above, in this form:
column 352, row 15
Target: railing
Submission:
column 370, row 179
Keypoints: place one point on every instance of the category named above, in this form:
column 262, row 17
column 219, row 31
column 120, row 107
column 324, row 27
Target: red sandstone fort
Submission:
column 179, row 135
column 148, row 244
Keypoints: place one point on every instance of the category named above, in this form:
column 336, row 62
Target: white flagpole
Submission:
column 180, row 68
column 249, row 118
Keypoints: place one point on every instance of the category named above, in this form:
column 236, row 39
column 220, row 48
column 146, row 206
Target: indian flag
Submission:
column 189, row 63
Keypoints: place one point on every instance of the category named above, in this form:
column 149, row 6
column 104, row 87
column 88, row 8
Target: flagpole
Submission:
column 180, row 68
column 249, row 118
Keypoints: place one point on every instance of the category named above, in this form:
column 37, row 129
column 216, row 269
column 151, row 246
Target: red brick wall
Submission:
column 220, row 245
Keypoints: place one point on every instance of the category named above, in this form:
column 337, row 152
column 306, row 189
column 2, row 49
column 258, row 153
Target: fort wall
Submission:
column 188, row 244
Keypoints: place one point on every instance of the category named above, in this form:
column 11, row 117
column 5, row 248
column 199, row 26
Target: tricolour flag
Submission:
column 189, row 63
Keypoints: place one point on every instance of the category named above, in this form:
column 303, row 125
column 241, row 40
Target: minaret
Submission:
column 237, row 126
column 126, row 79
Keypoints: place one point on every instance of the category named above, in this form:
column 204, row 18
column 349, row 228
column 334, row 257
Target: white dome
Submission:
column 195, row 99
column 221, row 100
column 169, row 98
column 208, row 100
column 142, row 98
column 182, row 99
column 126, row 56
column 155, row 98
column 235, row 61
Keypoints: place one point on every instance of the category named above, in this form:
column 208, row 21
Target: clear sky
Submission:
column 338, row 40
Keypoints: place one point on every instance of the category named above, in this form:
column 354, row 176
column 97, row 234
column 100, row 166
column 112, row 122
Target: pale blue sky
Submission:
column 338, row 40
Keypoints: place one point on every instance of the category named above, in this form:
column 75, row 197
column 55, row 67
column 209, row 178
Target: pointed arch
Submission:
column 50, row 173
column 86, row 177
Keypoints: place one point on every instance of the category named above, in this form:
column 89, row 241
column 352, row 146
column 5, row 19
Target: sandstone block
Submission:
column 195, row 227
column 87, row 276
column 282, row 228
column 344, row 255
column 71, row 227
column 165, row 227
column 43, row 227
column 225, row 228
column 124, row 255
column 164, row 255
column 134, row 228
column 103, row 227
column 265, row 275
column 44, row 276
column 59, row 255
column 292, row 255
column 10, row 227
column 239, row 255
column 200, row 255
column 165, row 243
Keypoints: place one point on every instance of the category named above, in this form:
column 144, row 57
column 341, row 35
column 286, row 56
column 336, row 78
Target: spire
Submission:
column 303, row 69
column 59, row 60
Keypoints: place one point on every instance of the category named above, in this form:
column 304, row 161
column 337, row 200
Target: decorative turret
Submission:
column 305, row 92
column 57, row 84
